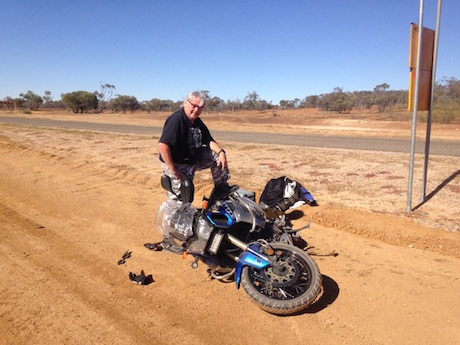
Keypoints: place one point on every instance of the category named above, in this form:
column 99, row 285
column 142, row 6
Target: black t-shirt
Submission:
column 184, row 138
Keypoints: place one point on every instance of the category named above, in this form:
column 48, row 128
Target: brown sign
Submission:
column 426, row 66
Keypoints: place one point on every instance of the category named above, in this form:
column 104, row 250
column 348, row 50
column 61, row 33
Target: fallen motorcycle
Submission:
column 245, row 242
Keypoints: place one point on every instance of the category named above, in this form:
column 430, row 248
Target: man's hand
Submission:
column 165, row 152
column 222, row 162
column 178, row 173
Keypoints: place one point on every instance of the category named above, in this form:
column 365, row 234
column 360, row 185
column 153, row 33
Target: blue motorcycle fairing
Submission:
column 251, row 257
column 213, row 217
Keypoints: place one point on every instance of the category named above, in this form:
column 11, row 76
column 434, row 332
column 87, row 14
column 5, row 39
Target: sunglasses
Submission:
column 196, row 107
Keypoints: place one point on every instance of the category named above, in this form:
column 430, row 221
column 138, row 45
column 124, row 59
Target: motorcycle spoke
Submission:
column 299, row 289
column 285, row 294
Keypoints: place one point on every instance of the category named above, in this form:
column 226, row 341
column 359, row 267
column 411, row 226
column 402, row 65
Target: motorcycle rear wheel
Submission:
column 287, row 290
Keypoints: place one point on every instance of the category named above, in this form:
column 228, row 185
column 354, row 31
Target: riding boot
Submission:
column 219, row 192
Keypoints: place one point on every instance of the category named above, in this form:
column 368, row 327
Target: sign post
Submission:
column 430, row 108
column 414, row 113
column 422, row 80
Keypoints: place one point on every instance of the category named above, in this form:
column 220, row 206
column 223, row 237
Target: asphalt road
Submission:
column 437, row 147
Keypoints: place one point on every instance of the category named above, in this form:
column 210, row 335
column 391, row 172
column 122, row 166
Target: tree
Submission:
column 383, row 98
column 338, row 101
column 381, row 87
column 104, row 95
column 310, row 102
column 215, row 103
column 446, row 100
column 156, row 104
column 289, row 104
column 80, row 101
column 233, row 105
column 447, row 90
column 49, row 102
column 206, row 94
column 31, row 100
column 364, row 100
column 47, row 98
column 251, row 100
column 124, row 103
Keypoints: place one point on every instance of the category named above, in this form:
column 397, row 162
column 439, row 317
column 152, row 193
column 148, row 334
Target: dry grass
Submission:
column 366, row 180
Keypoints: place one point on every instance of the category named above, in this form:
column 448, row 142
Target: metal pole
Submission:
column 414, row 115
column 433, row 82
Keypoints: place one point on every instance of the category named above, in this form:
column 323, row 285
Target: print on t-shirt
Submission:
column 197, row 136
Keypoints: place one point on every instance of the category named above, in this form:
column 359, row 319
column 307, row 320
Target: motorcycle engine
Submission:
column 164, row 216
column 176, row 219
column 182, row 222
column 202, row 232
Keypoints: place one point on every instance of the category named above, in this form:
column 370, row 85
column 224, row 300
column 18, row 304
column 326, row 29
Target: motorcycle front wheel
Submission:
column 286, row 288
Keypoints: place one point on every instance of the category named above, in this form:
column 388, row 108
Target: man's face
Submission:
column 193, row 108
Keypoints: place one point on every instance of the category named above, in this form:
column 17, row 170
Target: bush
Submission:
column 80, row 101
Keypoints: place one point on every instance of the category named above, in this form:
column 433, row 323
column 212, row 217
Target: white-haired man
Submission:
column 186, row 145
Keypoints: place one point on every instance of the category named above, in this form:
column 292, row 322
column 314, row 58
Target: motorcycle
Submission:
column 245, row 242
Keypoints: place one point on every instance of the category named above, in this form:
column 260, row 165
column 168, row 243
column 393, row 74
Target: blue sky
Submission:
column 164, row 49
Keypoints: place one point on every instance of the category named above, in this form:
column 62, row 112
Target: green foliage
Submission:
column 290, row 104
column 156, row 104
column 80, row 101
column 446, row 107
column 343, row 102
column 446, row 100
column 252, row 101
column 381, row 87
column 447, row 90
column 233, row 105
column 104, row 95
column 309, row 102
column 47, row 97
column 339, row 101
column 31, row 100
column 446, row 113
column 215, row 103
column 363, row 100
column 124, row 103
column 49, row 103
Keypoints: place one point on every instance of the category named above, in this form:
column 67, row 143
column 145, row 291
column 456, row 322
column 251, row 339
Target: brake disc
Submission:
column 285, row 275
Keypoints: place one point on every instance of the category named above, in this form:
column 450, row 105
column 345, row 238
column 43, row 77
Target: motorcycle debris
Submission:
column 125, row 256
column 154, row 246
column 141, row 279
column 165, row 244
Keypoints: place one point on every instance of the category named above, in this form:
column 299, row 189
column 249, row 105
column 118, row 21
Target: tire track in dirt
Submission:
column 74, row 270
column 74, row 287
column 100, row 205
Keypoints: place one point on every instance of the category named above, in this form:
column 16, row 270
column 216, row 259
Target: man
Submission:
column 186, row 145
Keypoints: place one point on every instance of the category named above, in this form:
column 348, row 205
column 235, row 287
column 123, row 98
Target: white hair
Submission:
column 194, row 95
